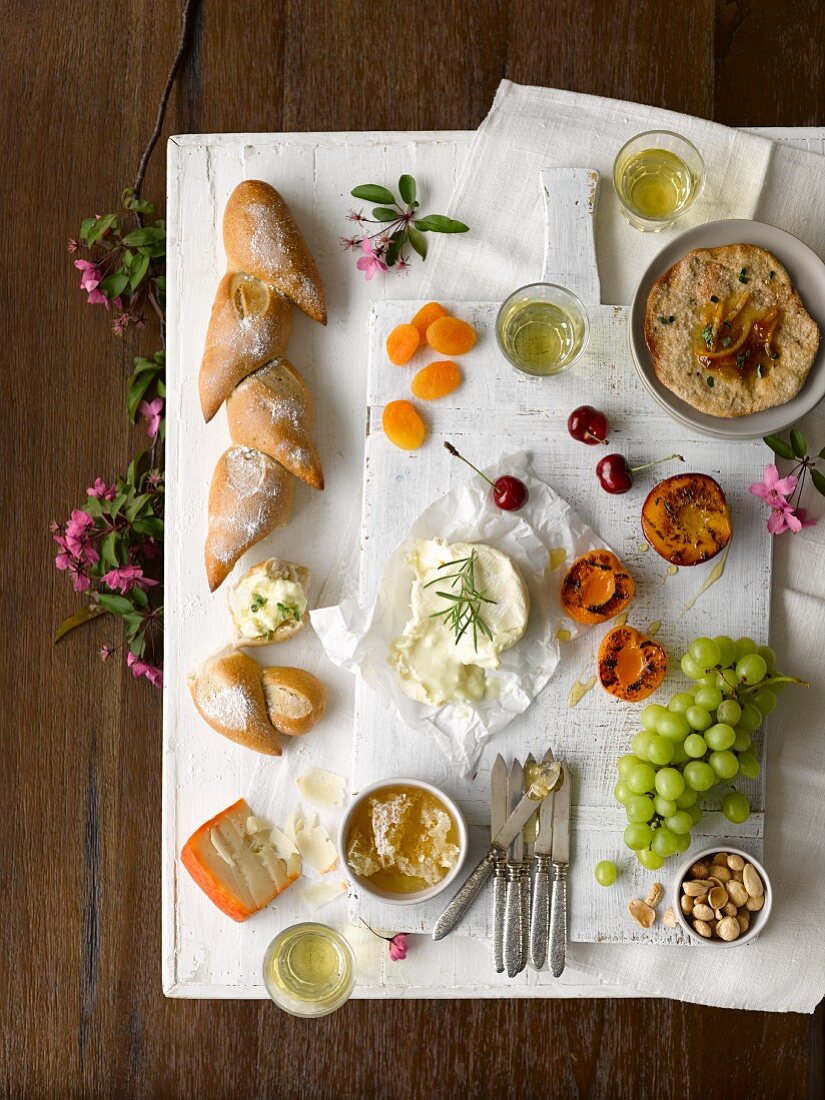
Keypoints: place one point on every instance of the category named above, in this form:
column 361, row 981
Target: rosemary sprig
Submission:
column 464, row 603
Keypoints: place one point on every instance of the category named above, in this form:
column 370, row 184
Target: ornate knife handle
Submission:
column 558, row 920
column 465, row 897
column 513, row 922
column 498, row 914
column 524, row 883
column 540, row 913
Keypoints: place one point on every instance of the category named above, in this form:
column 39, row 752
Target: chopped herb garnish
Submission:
column 774, row 355
column 464, row 605
column 707, row 335
column 740, row 359
column 742, row 276
column 713, row 298
column 289, row 612
column 725, row 341
column 258, row 601
column 666, row 320
column 709, row 381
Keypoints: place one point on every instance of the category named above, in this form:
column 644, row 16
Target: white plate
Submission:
column 807, row 273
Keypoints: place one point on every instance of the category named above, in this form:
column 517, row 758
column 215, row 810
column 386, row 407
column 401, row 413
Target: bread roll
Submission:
column 250, row 325
column 295, row 699
column 228, row 693
column 271, row 410
column 249, row 497
column 269, row 602
column 261, row 238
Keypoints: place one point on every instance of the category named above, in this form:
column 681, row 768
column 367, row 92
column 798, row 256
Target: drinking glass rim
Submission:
column 544, row 286
column 653, row 133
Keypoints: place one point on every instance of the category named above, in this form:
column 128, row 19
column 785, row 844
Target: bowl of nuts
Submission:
column 722, row 899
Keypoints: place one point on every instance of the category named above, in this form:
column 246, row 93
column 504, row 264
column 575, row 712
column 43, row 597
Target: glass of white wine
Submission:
column 657, row 175
column 542, row 329
column 309, row 970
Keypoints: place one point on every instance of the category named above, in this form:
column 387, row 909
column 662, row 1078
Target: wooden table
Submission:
column 83, row 1012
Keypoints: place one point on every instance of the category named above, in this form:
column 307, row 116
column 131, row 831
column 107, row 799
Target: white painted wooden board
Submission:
column 205, row 954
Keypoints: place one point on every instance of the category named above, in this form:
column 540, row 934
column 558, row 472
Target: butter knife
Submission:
column 540, row 910
column 514, row 898
column 561, row 858
column 458, row 906
column 499, row 808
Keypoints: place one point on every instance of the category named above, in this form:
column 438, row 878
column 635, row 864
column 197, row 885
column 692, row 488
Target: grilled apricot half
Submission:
column 631, row 665
column 596, row 587
column 686, row 519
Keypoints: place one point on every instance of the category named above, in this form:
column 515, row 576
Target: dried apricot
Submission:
column 436, row 380
column 425, row 317
column 451, row 336
column 403, row 426
column 402, row 344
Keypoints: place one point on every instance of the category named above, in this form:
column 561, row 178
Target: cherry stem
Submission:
column 456, row 454
column 656, row 461
column 596, row 439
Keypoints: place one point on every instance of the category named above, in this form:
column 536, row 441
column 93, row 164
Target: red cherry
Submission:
column 588, row 425
column 510, row 493
column 614, row 474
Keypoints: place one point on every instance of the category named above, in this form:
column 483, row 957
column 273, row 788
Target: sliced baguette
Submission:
column 295, row 699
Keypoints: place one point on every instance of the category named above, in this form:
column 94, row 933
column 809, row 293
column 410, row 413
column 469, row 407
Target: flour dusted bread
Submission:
column 250, row 325
column 269, row 602
column 228, row 693
column 295, row 699
column 261, row 238
column 271, row 410
column 250, row 496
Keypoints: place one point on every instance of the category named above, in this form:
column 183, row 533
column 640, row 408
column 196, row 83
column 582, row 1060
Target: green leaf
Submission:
column 438, row 223
column 138, row 269
column 778, row 445
column 98, row 227
column 819, row 481
column 85, row 227
column 118, row 605
column 372, row 192
column 113, row 285
column 134, row 467
column 139, row 596
column 418, row 241
column 84, row 615
column 151, row 526
column 147, row 235
column 406, row 189
column 137, row 388
column 397, row 242
column 800, row 446
column 109, row 551
column 384, row 214
column 161, row 388
column 135, row 505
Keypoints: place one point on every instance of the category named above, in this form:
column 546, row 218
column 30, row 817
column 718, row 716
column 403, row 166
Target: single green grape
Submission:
column 641, row 778
column 708, row 697
column 639, row 808
column 751, row 718
column 682, row 842
column 641, row 743
column 674, row 727
column 664, row 807
column 749, row 766
column 729, row 680
column 765, row 701
column 736, row 807
column 720, row 736
column 705, row 652
column 679, row 754
column 699, row 718
column 681, row 822
column 605, row 872
column 680, row 702
column 751, row 668
column 659, row 751
column 638, row 835
column 710, row 679
column 622, row 793
column 649, row 860
column 625, row 763
column 695, row 813
column 743, row 740
column 696, row 746
column 727, row 650
column 649, row 715
column 687, row 799
column 768, row 656
column 728, row 711
column 690, row 668
column 744, row 646
column 669, row 782
column 724, row 763
column 699, row 776
column 664, row 842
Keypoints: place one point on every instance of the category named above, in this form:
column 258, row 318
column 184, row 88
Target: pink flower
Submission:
column 402, row 266
column 100, row 490
column 77, row 537
column 105, row 652
column 73, row 246
column 370, row 262
column 151, row 412
column 139, row 667
column 774, row 490
column 348, row 243
column 126, row 577
column 120, row 324
column 398, row 946
column 797, row 519
column 355, row 216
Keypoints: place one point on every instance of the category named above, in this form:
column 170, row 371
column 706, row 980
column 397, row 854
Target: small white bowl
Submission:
column 368, row 887
column 758, row 919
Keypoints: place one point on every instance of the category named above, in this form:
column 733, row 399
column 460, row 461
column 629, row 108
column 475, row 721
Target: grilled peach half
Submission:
column 631, row 665
column 686, row 519
column 596, row 587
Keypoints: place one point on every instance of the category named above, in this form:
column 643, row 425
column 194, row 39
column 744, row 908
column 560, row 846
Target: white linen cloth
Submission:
column 747, row 176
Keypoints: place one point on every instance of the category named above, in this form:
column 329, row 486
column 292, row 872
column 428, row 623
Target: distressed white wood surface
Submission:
column 205, row 954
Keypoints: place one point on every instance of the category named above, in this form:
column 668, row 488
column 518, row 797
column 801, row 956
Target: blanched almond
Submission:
column 655, row 894
column 697, row 887
column 743, row 919
column 641, row 912
column 699, row 870
column 686, row 904
column 736, row 863
column 669, row 918
column 717, row 897
column 721, row 873
column 727, row 929
column 703, row 929
column 720, row 857
column 737, row 893
column 703, row 912
column 752, row 881
column 729, row 909
column 753, row 905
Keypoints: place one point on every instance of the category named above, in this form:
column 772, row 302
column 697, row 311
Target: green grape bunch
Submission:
column 702, row 738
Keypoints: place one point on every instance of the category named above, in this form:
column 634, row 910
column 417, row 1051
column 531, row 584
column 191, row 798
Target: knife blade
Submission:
column 540, row 908
column 513, row 915
column 561, row 858
column 550, row 778
column 499, row 807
